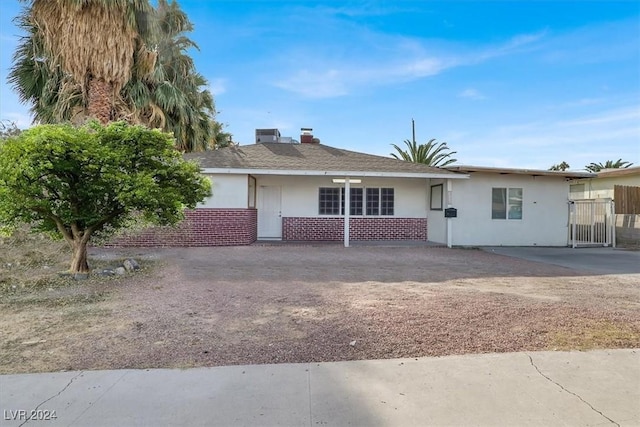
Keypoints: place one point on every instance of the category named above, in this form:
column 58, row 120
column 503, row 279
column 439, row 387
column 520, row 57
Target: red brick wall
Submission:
column 201, row 227
column 360, row 228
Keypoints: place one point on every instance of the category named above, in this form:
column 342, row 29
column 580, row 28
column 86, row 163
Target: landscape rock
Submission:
column 107, row 272
column 120, row 271
column 34, row 342
column 131, row 264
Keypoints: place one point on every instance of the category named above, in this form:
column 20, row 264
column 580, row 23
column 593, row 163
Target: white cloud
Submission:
column 582, row 102
column 218, row 86
column 379, row 59
column 617, row 116
column 330, row 83
column 471, row 94
column 601, row 136
column 364, row 9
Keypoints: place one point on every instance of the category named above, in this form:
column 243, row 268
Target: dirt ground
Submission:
column 274, row 304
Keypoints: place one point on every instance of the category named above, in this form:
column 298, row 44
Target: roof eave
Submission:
column 614, row 173
column 513, row 171
column 362, row 174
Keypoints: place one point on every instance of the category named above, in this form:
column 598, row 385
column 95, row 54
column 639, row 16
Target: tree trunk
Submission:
column 79, row 259
column 100, row 102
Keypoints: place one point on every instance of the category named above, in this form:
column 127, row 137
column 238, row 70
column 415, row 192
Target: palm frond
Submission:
column 431, row 153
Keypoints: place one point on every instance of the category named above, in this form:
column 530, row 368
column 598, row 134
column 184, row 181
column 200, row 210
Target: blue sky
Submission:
column 507, row 84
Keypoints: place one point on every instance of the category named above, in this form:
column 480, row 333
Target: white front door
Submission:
column 269, row 213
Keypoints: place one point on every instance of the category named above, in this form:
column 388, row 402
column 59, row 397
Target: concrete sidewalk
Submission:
column 524, row 389
column 594, row 260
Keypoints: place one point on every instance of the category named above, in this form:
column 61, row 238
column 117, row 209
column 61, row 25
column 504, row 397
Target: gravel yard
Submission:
column 287, row 303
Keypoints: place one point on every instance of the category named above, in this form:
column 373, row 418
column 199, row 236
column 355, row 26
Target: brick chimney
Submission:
column 306, row 136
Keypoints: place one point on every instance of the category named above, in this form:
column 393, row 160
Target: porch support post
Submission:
column 347, row 208
column 613, row 222
column 572, row 218
column 449, row 220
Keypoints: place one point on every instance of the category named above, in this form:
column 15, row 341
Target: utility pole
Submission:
column 413, row 130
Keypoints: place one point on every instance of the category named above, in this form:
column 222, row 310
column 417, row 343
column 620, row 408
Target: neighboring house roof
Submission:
column 511, row 171
column 309, row 159
column 610, row 173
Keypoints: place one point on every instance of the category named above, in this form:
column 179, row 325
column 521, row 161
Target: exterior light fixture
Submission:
column 343, row 180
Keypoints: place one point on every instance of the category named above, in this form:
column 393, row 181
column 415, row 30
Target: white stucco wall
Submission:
column 544, row 219
column 300, row 193
column 600, row 188
column 229, row 191
column 544, row 212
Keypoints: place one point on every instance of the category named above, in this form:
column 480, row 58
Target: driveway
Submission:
column 301, row 303
column 595, row 260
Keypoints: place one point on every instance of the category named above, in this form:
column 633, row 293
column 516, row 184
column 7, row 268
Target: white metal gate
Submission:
column 592, row 223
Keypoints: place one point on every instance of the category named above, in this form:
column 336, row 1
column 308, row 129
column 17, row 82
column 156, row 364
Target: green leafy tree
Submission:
column 431, row 153
column 560, row 167
column 609, row 164
column 112, row 60
column 75, row 181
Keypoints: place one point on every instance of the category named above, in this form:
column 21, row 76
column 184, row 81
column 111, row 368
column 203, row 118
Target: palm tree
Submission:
column 52, row 93
column 609, row 164
column 560, row 167
column 135, row 66
column 90, row 46
column 431, row 153
column 220, row 138
column 174, row 96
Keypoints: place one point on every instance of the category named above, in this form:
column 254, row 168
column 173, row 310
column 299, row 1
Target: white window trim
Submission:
column 507, row 204
column 364, row 203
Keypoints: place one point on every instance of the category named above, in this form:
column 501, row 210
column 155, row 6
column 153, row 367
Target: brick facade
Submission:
column 360, row 228
column 201, row 227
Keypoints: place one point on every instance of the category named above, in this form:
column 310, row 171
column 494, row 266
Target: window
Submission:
column 506, row 203
column 576, row 191
column 252, row 191
column 373, row 201
column 436, row 197
column 386, row 201
column 356, row 201
column 329, row 201
column 378, row 201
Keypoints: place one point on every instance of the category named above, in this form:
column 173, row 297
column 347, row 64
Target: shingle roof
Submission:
column 306, row 157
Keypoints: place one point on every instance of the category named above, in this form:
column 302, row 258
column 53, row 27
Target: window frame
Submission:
column 511, row 211
column 335, row 210
column 436, row 201
column 362, row 201
column 387, row 209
